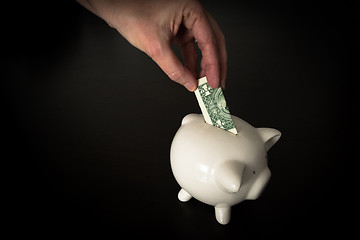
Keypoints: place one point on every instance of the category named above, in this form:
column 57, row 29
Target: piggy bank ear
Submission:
column 270, row 136
column 192, row 117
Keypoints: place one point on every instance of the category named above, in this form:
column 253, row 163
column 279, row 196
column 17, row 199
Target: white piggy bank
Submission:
column 218, row 167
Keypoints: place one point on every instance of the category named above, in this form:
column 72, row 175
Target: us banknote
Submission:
column 213, row 106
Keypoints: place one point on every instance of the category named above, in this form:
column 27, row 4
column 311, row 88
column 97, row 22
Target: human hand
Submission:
column 152, row 25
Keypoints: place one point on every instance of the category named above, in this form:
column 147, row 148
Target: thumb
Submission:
column 166, row 59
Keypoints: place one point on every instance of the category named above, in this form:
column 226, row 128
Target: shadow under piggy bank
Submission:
column 220, row 168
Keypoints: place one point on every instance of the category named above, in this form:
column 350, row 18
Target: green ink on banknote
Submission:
column 213, row 106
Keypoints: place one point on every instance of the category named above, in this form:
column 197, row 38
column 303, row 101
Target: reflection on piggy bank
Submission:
column 218, row 167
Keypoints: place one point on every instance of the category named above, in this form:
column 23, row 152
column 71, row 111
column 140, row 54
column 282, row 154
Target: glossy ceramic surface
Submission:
column 218, row 167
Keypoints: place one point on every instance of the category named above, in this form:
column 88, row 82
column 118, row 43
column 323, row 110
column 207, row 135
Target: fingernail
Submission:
column 190, row 86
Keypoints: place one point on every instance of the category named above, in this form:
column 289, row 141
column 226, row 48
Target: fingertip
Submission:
column 213, row 81
column 191, row 86
column 215, row 85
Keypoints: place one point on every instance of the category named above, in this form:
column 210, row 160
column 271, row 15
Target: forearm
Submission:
column 101, row 8
column 87, row 5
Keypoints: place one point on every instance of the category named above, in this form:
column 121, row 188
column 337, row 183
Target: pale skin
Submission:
column 153, row 25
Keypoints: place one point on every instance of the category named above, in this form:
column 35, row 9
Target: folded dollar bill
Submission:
column 213, row 106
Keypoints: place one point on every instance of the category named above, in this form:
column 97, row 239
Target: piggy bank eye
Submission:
column 254, row 172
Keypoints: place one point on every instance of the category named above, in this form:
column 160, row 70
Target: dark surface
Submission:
column 89, row 121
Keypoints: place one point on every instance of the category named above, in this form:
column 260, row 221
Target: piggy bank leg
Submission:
column 184, row 196
column 223, row 213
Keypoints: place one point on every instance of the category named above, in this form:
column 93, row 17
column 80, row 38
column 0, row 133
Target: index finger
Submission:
column 196, row 20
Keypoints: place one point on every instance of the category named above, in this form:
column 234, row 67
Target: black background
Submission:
column 89, row 122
